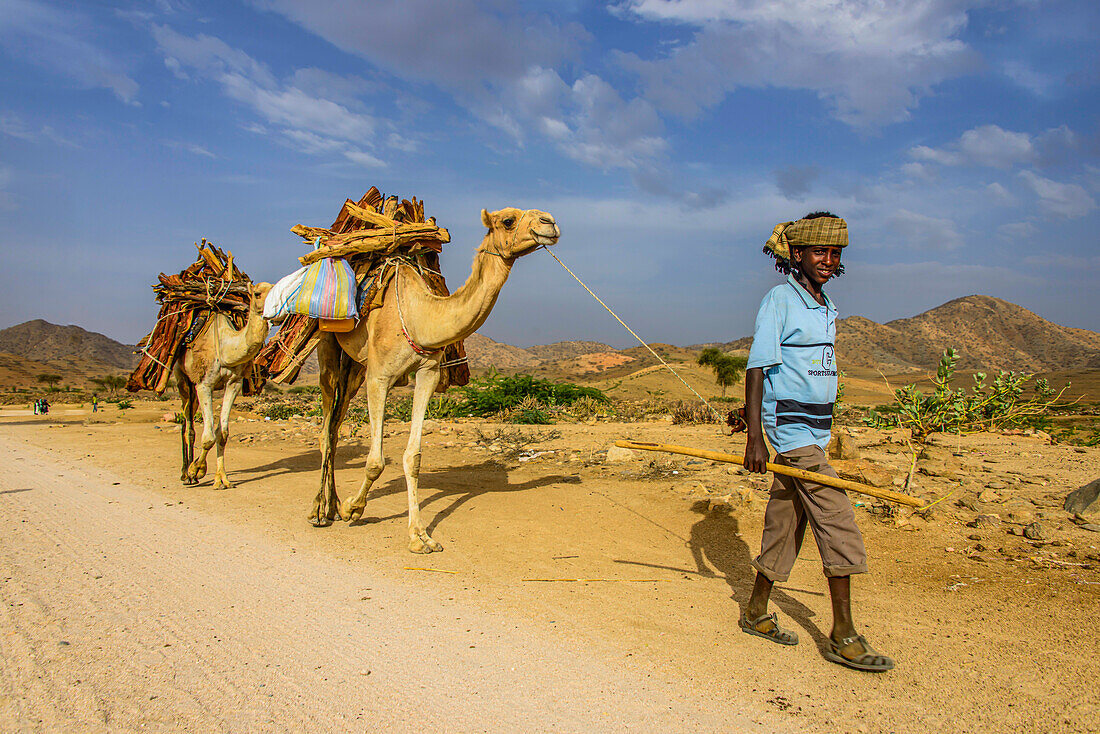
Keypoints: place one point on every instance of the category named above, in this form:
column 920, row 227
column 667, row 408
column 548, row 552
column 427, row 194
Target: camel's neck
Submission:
column 435, row 322
column 240, row 347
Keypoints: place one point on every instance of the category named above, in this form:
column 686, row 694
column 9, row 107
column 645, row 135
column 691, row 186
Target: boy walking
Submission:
column 790, row 387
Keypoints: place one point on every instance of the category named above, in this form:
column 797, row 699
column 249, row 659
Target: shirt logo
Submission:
column 827, row 358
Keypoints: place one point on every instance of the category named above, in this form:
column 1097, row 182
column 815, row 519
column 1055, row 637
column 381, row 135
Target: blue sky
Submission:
column 961, row 141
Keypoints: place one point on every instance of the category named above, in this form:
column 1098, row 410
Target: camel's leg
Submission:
column 377, row 389
column 187, row 427
column 340, row 377
column 426, row 380
column 197, row 469
column 232, row 392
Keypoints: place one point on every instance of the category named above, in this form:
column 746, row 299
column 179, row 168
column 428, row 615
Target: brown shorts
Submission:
column 796, row 502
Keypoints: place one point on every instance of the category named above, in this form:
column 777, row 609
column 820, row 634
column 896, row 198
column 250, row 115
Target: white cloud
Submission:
column 7, row 202
column 58, row 40
column 992, row 146
column 190, row 148
column 870, row 60
column 313, row 110
column 920, row 231
column 500, row 64
column 1017, row 230
column 1059, row 199
column 998, row 194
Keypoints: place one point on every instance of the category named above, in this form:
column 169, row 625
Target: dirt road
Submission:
column 613, row 590
column 124, row 611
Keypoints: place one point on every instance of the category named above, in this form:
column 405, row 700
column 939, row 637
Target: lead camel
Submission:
column 406, row 336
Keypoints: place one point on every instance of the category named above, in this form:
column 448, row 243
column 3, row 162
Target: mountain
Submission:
column 42, row 341
column 988, row 333
column 568, row 350
column 483, row 353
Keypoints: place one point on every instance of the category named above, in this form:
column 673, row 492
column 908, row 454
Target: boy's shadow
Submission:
column 717, row 549
column 715, row 540
column 454, row 483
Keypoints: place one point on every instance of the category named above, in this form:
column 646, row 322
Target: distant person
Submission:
column 790, row 388
column 37, row 406
column 45, row 406
column 95, row 403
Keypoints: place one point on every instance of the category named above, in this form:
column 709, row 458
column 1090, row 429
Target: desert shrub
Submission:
column 125, row 404
column 684, row 412
column 1001, row 404
column 495, row 394
column 529, row 412
column 511, row 442
column 281, row 411
column 305, row 390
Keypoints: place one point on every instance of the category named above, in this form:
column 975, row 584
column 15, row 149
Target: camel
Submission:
column 220, row 356
column 406, row 336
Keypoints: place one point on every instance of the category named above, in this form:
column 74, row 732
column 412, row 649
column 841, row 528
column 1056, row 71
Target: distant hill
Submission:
column 42, row 341
column 483, row 353
column 988, row 333
column 567, row 350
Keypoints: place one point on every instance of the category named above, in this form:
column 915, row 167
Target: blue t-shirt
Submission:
column 793, row 344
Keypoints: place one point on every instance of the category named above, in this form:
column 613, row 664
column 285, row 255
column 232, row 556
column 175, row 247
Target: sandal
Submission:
column 863, row 661
column 775, row 633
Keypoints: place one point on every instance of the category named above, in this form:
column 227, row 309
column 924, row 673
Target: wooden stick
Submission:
column 882, row 494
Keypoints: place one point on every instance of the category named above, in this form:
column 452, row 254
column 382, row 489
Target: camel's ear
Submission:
column 486, row 220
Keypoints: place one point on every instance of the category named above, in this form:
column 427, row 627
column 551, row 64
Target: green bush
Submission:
column 1001, row 404
column 305, row 390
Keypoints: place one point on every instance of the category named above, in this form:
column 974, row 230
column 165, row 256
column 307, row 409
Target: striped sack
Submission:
column 328, row 291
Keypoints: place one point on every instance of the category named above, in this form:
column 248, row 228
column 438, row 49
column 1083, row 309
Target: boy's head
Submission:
column 810, row 247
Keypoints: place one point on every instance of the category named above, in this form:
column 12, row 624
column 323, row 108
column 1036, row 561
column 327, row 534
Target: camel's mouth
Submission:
column 547, row 237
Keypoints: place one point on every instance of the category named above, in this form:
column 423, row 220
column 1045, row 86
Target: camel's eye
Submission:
column 509, row 222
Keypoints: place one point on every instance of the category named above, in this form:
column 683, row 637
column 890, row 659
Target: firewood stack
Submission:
column 212, row 284
column 365, row 234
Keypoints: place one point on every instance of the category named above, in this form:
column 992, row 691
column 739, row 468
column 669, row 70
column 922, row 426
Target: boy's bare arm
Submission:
column 756, row 451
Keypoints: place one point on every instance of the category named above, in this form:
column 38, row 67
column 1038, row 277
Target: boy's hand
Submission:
column 756, row 454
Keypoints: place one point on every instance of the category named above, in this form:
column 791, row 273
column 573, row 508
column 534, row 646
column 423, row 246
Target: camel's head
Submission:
column 514, row 232
column 257, row 295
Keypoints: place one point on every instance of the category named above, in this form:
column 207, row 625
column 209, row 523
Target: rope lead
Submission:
column 717, row 415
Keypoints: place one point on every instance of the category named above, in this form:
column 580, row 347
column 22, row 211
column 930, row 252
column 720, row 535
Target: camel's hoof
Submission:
column 351, row 514
column 424, row 544
column 222, row 483
column 319, row 522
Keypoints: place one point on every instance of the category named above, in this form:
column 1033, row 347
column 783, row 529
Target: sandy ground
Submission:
column 572, row 595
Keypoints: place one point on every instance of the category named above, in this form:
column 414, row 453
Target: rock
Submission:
column 430, row 426
column 1021, row 517
column 1034, row 531
column 996, row 485
column 168, row 417
column 860, row 470
column 985, row 521
column 969, row 503
column 1090, row 526
column 618, row 455
column 842, row 446
column 988, row 495
column 1084, row 501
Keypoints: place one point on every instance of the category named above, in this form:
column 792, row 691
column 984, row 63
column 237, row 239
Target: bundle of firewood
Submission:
column 375, row 227
column 211, row 284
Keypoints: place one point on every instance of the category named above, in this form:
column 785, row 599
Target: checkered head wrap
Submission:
column 828, row 231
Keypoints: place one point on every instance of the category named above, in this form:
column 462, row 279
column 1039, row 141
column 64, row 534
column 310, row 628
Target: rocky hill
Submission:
column 42, row 341
column 988, row 333
column 483, row 353
column 568, row 350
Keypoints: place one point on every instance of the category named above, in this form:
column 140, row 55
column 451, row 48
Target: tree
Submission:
column 111, row 383
column 728, row 368
column 48, row 379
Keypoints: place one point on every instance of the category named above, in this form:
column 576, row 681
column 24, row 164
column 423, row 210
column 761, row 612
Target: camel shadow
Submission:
column 309, row 460
column 718, row 550
column 453, row 484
